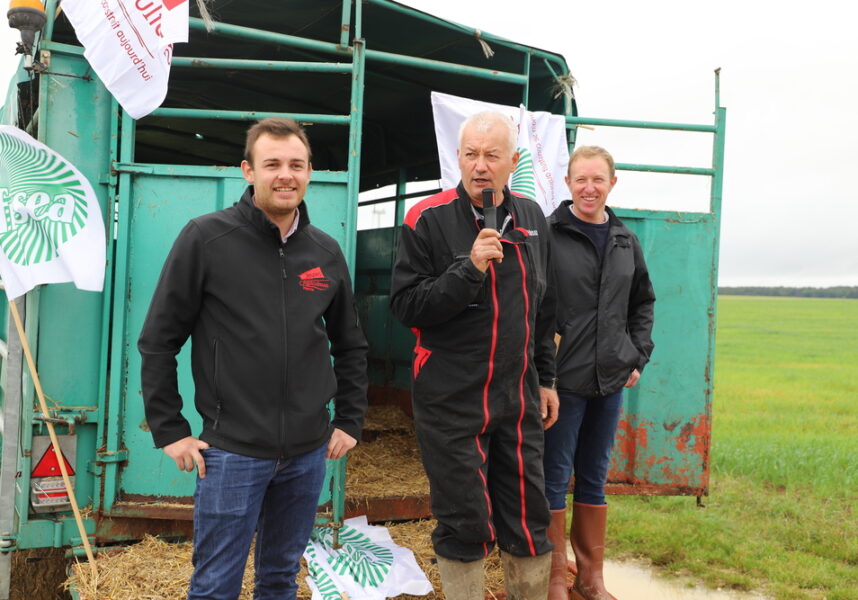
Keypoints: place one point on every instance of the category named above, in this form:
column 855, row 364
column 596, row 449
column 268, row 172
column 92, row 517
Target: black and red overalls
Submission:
column 485, row 342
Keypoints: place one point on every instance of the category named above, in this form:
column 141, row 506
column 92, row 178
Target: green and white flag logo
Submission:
column 523, row 180
column 51, row 228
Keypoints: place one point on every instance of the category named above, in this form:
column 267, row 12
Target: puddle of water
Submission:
column 631, row 580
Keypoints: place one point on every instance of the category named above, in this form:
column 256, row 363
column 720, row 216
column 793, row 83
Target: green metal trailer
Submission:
column 359, row 74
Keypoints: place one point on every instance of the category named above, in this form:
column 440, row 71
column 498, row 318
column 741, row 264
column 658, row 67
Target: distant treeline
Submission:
column 800, row 292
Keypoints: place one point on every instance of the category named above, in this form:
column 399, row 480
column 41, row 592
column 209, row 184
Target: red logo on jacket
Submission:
column 313, row 280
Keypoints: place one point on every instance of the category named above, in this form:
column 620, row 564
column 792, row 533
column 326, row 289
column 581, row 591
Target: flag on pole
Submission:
column 51, row 228
column 129, row 44
column 543, row 151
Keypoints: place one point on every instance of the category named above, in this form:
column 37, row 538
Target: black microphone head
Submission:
column 488, row 197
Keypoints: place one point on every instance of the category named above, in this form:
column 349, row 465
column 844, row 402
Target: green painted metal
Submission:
column 640, row 124
column 666, row 169
column 436, row 65
column 259, row 35
column 240, row 115
column 260, row 65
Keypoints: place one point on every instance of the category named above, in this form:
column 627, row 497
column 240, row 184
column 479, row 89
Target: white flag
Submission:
column 129, row 44
column 542, row 147
column 51, row 228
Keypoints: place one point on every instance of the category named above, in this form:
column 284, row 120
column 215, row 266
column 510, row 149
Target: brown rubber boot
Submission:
column 526, row 577
column 461, row 580
column 588, row 542
column 558, row 589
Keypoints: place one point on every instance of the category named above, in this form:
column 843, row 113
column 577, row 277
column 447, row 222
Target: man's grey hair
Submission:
column 485, row 121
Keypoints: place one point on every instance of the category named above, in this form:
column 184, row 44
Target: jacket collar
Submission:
column 561, row 218
column 465, row 201
column 261, row 221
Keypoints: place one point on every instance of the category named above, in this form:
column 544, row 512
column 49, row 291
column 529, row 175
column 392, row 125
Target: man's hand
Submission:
column 340, row 443
column 632, row 381
column 549, row 406
column 186, row 453
column 486, row 247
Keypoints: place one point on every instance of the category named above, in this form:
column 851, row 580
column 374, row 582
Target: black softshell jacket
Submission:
column 265, row 318
column 604, row 309
column 448, row 302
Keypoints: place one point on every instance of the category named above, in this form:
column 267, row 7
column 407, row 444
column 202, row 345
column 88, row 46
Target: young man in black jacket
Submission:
column 604, row 317
column 267, row 300
column 479, row 301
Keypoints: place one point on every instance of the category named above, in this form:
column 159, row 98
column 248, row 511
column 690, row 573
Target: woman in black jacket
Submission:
column 604, row 321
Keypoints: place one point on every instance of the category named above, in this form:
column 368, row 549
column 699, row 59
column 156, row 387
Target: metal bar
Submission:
column 113, row 414
column 51, row 14
column 260, row 65
column 640, row 124
column 210, row 171
column 715, row 197
column 525, row 93
column 398, row 197
column 445, row 67
column 28, row 393
column 356, row 104
column 239, row 115
column 358, row 33
column 401, row 194
column 248, row 33
column 9, row 458
column 107, row 298
column 666, row 169
column 345, row 23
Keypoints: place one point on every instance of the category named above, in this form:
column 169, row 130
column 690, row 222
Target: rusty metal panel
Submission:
column 662, row 443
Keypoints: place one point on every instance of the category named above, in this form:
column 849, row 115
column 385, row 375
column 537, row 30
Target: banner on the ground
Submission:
column 129, row 44
column 366, row 565
column 51, row 229
column 542, row 147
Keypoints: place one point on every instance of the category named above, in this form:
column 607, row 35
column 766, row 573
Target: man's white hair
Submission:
column 488, row 119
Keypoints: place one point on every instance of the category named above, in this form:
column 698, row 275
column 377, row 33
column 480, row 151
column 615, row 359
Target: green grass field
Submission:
column 782, row 515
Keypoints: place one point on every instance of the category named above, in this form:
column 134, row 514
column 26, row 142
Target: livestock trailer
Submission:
column 358, row 73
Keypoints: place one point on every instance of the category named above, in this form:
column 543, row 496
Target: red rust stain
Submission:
column 694, row 436
column 632, row 439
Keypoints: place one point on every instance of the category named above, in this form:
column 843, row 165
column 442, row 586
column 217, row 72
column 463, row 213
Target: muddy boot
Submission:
column 557, row 587
column 461, row 580
column 526, row 577
column 588, row 542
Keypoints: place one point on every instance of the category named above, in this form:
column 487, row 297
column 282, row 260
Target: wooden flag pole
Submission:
column 54, row 441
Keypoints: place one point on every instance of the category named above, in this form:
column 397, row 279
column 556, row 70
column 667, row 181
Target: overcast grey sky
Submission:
column 788, row 81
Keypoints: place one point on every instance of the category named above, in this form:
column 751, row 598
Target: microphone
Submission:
column 490, row 211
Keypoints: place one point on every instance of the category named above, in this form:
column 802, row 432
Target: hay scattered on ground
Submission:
column 38, row 574
column 386, row 417
column 151, row 569
column 387, row 466
column 155, row 569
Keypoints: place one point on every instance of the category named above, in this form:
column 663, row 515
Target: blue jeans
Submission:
column 582, row 438
column 241, row 495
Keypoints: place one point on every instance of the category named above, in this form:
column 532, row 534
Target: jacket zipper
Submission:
column 601, row 264
column 219, row 404
column 280, row 401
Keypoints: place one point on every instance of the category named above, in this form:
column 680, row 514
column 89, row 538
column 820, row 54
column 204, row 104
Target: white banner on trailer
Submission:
column 542, row 147
column 51, row 230
column 129, row 44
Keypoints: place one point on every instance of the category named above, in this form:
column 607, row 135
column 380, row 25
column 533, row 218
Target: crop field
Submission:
column 782, row 515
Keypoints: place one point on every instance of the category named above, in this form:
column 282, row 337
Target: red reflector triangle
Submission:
column 49, row 466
